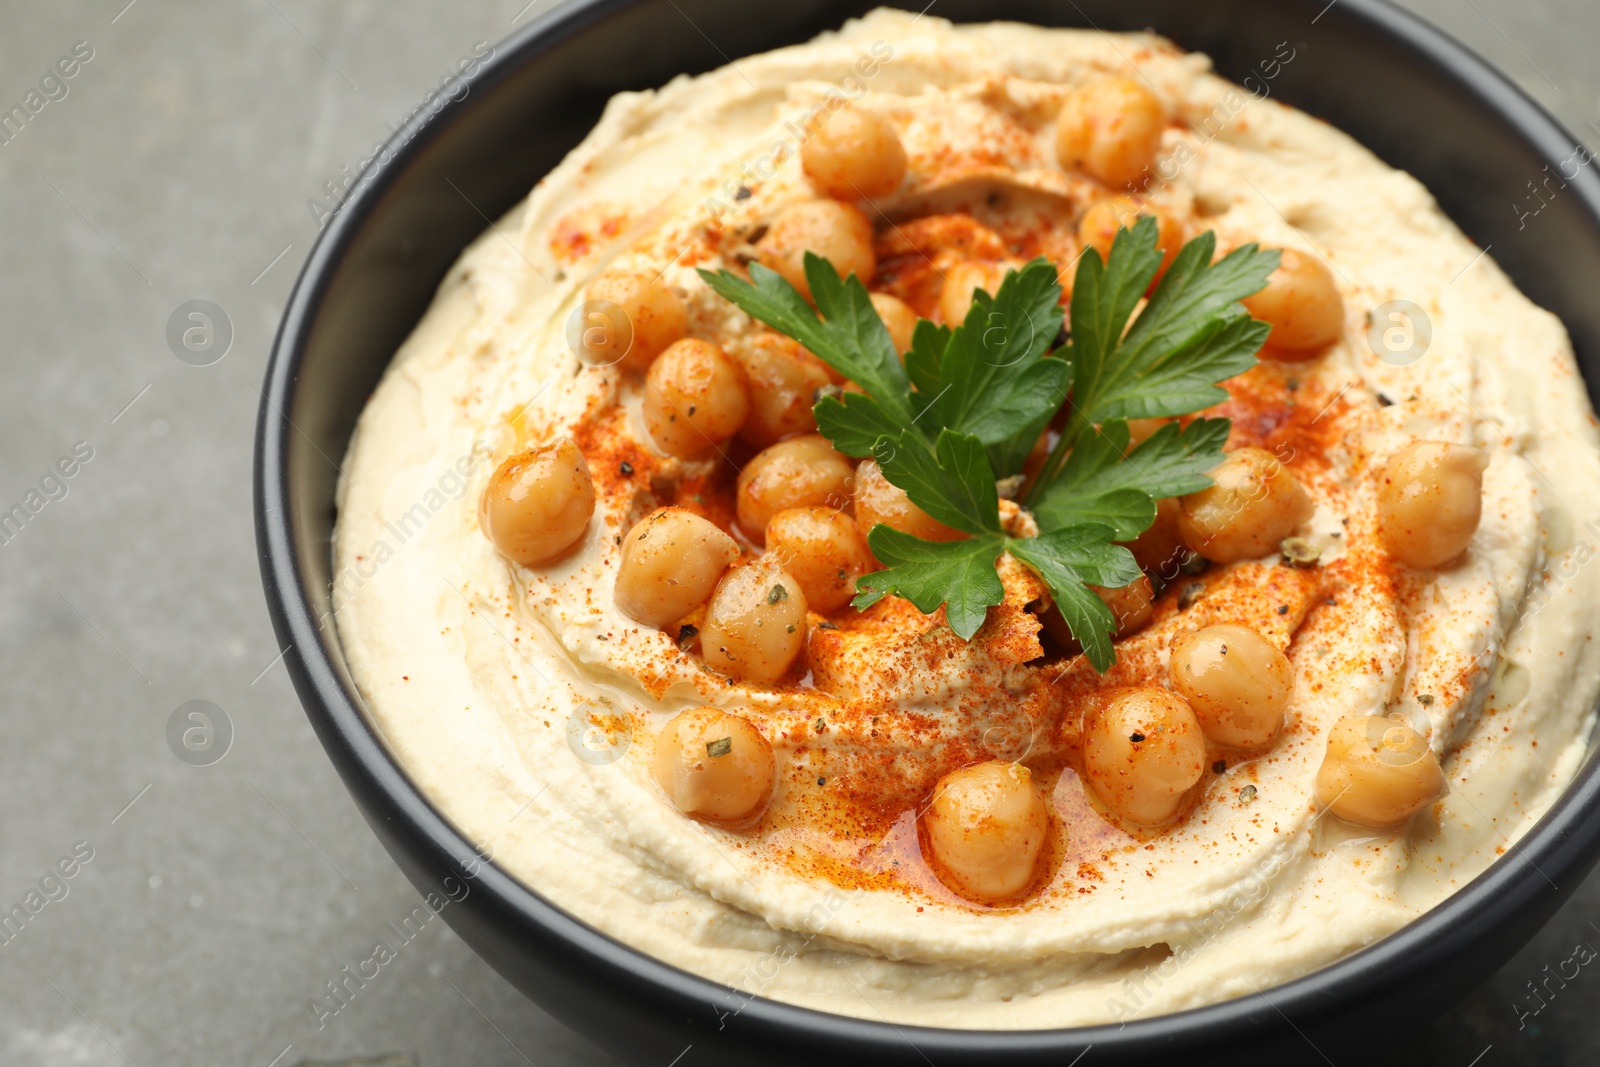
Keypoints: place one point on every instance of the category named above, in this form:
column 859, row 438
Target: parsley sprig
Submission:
column 966, row 406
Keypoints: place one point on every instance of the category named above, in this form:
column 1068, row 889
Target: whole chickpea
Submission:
column 838, row 232
column 854, row 154
column 955, row 299
column 823, row 550
column 1430, row 500
column 715, row 766
column 1100, row 225
column 877, row 500
column 798, row 473
column 755, row 622
column 695, row 397
column 653, row 316
column 672, row 559
column 898, row 318
column 1254, row 504
column 1142, row 753
column 1302, row 305
column 1236, row 681
column 1111, row 130
column 538, row 503
column 985, row 829
column 784, row 378
column 1378, row 772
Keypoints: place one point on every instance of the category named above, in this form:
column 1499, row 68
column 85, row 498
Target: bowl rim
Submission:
column 1560, row 845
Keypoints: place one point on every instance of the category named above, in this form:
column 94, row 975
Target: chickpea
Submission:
column 538, row 503
column 985, row 829
column 784, row 379
column 695, row 397
column 672, row 559
column 1378, row 772
column 823, row 550
column 1111, row 130
column 1302, row 305
column 1254, row 504
column 1105, row 218
column 877, row 500
column 1159, row 546
column 1142, row 753
column 1236, row 681
column 797, row 473
column 1132, row 604
column 1430, row 502
column 898, row 317
column 854, row 154
column 715, row 766
column 755, row 622
column 955, row 299
column 653, row 317
column 839, row 233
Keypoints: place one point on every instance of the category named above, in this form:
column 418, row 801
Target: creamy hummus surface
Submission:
column 526, row 705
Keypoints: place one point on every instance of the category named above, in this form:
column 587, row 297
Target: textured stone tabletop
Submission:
column 207, row 905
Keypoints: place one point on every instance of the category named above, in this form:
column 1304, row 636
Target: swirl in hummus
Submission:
column 906, row 825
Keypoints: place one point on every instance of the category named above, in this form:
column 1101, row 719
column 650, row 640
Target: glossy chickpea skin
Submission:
column 784, row 379
column 1142, row 753
column 898, row 318
column 755, row 622
column 538, row 503
column 653, row 317
column 823, row 550
column 1378, row 772
column 955, row 299
column 695, row 397
column 838, row 232
column 1430, row 501
column 798, row 473
column 1302, row 305
column 1254, row 504
column 986, row 828
column 854, row 154
column 672, row 560
column 715, row 766
column 1100, row 225
column 1110, row 130
column 1236, row 681
column 877, row 500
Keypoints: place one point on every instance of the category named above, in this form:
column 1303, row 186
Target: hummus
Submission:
column 525, row 705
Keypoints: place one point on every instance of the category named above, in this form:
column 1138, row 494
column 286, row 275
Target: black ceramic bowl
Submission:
column 1413, row 96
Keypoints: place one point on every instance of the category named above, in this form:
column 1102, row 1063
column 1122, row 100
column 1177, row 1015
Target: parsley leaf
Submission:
column 954, row 483
column 957, row 574
column 1191, row 335
column 1069, row 560
column 969, row 403
column 929, row 342
column 1097, row 483
column 849, row 337
column 992, row 382
column 854, row 423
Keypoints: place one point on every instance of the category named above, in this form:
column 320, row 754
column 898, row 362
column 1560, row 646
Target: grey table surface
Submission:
column 210, row 904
